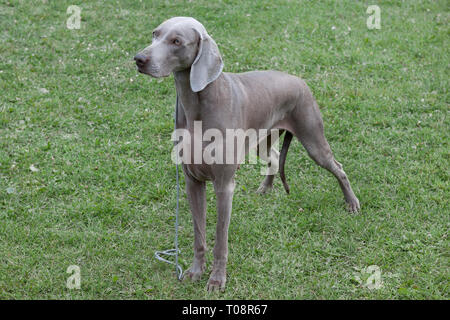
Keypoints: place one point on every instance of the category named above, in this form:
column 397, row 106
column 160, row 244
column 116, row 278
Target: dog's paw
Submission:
column 264, row 188
column 194, row 273
column 216, row 283
column 353, row 205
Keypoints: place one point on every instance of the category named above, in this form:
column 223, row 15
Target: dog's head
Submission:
column 178, row 44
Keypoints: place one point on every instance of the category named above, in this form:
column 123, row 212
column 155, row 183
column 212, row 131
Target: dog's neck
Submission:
column 191, row 101
column 183, row 86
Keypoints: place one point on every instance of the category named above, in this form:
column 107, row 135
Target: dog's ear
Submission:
column 208, row 63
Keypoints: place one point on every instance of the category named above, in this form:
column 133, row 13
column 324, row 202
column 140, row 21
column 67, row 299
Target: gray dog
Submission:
column 259, row 100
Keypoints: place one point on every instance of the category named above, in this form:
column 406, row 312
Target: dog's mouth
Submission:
column 145, row 66
column 154, row 73
column 141, row 70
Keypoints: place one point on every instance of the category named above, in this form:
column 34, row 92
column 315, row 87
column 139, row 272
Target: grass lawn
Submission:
column 86, row 177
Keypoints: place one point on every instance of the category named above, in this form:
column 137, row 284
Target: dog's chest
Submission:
column 199, row 172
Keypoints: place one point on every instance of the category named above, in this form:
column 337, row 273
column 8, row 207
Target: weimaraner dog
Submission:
column 221, row 100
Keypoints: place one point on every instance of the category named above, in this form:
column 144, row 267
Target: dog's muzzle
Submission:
column 141, row 61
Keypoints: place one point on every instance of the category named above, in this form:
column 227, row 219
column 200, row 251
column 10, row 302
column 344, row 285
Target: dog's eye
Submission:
column 176, row 42
column 154, row 34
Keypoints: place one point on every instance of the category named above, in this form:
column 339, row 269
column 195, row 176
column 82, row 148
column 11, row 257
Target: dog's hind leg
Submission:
column 268, row 153
column 308, row 128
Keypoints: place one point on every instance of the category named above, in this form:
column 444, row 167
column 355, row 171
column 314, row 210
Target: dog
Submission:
column 220, row 100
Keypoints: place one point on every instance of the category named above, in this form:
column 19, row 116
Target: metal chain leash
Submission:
column 176, row 251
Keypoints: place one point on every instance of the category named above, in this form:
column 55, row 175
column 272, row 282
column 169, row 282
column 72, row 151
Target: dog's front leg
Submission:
column 196, row 194
column 224, row 194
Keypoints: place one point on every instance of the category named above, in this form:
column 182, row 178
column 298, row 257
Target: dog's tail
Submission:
column 283, row 154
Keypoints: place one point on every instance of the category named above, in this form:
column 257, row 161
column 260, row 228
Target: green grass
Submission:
column 104, row 195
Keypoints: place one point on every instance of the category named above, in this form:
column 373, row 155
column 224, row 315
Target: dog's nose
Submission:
column 140, row 59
